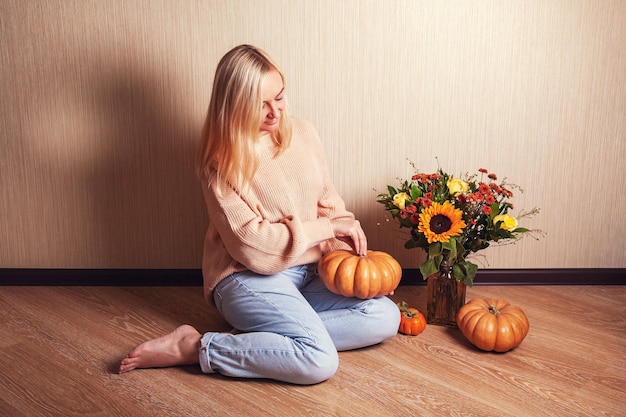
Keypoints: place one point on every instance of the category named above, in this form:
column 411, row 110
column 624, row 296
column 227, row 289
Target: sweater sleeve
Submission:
column 260, row 245
column 330, row 204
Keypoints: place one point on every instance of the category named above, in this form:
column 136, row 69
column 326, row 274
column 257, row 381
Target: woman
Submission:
column 273, row 212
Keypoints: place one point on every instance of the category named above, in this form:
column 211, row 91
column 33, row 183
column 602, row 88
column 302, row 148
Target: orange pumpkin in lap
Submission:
column 368, row 276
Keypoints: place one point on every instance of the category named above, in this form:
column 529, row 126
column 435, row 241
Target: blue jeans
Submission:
column 291, row 326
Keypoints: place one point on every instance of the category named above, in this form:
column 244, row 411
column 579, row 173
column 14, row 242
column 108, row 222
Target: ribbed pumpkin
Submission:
column 371, row 275
column 412, row 321
column 492, row 325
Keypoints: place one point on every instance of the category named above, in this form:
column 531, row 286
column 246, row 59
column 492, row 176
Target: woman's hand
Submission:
column 350, row 231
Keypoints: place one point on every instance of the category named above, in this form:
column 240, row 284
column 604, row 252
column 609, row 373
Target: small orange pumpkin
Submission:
column 492, row 325
column 412, row 322
column 371, row 275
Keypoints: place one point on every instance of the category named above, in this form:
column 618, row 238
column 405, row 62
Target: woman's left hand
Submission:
column 351, row 232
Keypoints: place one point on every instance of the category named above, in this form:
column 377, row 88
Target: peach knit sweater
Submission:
column 281, row 221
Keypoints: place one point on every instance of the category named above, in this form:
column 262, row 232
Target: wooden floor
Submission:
column 61, row 347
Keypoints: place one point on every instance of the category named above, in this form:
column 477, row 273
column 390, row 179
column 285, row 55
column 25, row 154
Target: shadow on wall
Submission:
column 146, row 208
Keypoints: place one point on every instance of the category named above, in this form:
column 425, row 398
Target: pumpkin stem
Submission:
column 493, row 310
column 404, row 308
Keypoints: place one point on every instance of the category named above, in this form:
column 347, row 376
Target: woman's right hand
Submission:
column 351, row 232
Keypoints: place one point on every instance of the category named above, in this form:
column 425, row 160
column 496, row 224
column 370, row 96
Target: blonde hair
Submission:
column 231, row 128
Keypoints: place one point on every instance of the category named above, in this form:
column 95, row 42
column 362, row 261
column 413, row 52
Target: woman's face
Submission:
column 273, row 102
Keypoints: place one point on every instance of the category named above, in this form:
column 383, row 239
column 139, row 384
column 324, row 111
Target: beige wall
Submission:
column 103, row 101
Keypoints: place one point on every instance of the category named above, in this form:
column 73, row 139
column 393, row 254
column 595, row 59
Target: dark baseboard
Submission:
column 193, row 277
column 102, row 277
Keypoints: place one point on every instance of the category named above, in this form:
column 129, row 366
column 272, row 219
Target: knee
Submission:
column 318, row 365
column 388, row 316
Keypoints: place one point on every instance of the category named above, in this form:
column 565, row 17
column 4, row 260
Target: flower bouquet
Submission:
column 450, row 217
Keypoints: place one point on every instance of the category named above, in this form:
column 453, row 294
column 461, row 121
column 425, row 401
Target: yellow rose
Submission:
column 508, row 222
column 457, row 186
column 399, row 200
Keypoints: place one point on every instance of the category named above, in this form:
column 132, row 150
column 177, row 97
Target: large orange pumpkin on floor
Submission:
column 363, row 276
column 492, row 325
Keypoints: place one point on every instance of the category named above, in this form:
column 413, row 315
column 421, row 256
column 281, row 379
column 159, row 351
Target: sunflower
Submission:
column 439, row 222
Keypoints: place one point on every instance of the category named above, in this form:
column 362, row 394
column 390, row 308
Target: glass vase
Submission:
column 444, row 297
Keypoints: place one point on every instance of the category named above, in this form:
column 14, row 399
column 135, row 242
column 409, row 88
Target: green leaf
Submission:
column 415, row 192
column 450, row 246
column 471, row 270
column 410, row 244
column 420, row 241
column 435, row 250
column 495, row 210
column 428, row 268
column 460, row 250
column 465, row 271
column 459, row 272
column 404, row 222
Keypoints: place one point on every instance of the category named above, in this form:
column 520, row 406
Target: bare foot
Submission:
column 181, row 347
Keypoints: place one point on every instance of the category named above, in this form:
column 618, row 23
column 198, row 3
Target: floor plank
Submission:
column 61, row 347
